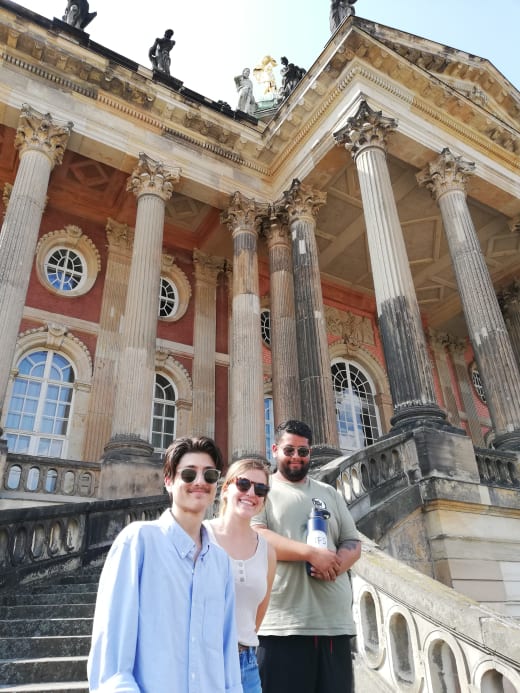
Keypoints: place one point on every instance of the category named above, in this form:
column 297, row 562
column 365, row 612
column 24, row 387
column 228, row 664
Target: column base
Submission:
column 507, row 441
column 422, row 415
column 124, row 444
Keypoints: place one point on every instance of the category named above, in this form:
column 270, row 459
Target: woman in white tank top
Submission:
column 243, row 495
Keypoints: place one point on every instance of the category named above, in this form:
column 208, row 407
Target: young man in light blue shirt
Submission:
column 164, row 620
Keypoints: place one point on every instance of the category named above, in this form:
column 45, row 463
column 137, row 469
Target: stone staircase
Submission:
column 45, row 634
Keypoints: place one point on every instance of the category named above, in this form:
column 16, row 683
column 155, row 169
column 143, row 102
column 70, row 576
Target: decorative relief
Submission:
column 303, row 201
column 153, row 177
column 38, row 131
column 207, row 267
column 447, row 172
column 354, row 330
column 119, row 235
column 368, row 128
column 243, row 213
column 57, row 336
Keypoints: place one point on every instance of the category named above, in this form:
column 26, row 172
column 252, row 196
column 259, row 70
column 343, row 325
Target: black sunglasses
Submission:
column 243, row 485
column 188, row 475
column 289, row 451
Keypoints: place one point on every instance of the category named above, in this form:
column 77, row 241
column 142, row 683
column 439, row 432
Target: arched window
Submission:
column 169, row 302
column 39, row 410
column 269, row 426
column 65, row 269
column 356, row 412
column 164, row 412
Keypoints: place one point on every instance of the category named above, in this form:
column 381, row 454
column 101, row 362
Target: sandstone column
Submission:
column 317, row 397
column 439, row 342
column 152, row 184
column 246, row 390
column 120, row 239
column 509, row 300
column 404, row 343
column 446, row 178
column 41, row 144
column 207, row 270
column 284, row 353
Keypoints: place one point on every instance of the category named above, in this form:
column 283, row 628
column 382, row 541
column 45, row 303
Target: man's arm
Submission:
column 323, row 560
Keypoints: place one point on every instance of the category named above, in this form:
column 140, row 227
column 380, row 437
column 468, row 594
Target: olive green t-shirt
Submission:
column 300, row 604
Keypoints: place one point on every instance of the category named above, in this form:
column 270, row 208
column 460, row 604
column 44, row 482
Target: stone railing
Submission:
column 498, row 468
column 39, row 541
column 416, row 634
column 46, row 479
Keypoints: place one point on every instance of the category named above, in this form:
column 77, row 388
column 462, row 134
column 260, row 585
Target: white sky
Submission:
column 215, row 39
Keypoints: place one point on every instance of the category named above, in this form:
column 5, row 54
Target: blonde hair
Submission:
column 237, row 469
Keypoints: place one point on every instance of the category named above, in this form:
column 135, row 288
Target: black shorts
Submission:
column 305, row 663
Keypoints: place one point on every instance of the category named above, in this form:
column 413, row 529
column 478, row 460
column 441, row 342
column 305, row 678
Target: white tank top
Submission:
column 250, row 588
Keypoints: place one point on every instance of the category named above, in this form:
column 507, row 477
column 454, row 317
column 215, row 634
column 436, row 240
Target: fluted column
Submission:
column 152, row 184
column 318, row 408
column 404, row 343
column 284, row 352
column 41, row 144
column 446, row 177
column 439, row 341
column 120, row 239
column 246, row 390
column 509, row 300
column 207, row 270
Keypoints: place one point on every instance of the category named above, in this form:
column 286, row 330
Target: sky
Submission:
column 215, row 40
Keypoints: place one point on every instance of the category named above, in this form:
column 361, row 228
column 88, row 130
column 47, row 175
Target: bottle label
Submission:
column 316, row 537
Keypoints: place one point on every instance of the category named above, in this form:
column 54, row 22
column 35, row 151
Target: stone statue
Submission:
column 264, row 75
column 246, row 100
column 77, row 14
column 291, row 75
column 159, row 53
column 340, row 10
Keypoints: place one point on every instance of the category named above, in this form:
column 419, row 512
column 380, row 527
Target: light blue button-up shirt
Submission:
column 164, row 624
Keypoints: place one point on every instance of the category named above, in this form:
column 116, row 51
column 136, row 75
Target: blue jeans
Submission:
column 249, row 671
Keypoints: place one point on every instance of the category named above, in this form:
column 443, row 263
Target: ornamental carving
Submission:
column 119, row 235
column 353, row 330
column 303, row 201
column 243, row 213
column 447, row 172
column 152, row 177
column 207, row 267
column 368, row 128
column 37, row 131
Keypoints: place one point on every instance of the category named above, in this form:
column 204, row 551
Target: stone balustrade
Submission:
column 46, row 480
column 498, row 468
column 38, row 541
column 417, row 634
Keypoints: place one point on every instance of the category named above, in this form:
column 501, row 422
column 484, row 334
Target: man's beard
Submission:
column 293, row 474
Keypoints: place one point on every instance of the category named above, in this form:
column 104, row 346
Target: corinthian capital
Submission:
column 303, row 201
column 243, row 213
column 447, row 172
column 37, row 131
column 367, row 128
column 152, row 177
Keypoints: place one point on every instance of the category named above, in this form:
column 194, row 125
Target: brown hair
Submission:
column 237, row 469
column 182, row 446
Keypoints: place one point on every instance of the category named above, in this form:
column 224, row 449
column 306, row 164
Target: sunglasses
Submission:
column 289, row 451
column 188, row 475
column 243, row 485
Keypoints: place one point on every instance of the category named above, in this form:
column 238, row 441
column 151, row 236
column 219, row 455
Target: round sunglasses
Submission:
column 243, row 485
column 188, row 475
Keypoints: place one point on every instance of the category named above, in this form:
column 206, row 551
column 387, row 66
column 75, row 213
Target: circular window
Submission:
column 67, row 262
column 64, row 269
column 169, row 301
column 477, row 382
column 265, row 324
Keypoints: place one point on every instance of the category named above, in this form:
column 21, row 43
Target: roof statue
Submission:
column 264, row 75
column 339, row 11
column 291, row 75
column 77, row 14
column 159, row 53
column 246, row 99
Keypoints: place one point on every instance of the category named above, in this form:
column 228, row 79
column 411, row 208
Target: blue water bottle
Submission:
column 317, row 526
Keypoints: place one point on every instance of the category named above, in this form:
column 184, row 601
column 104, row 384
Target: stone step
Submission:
column 20, row 599
column 55, row 588
column 37, row 611
column 41, row 627
column 49, row 646
column 45, row 670
column 55, row 687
